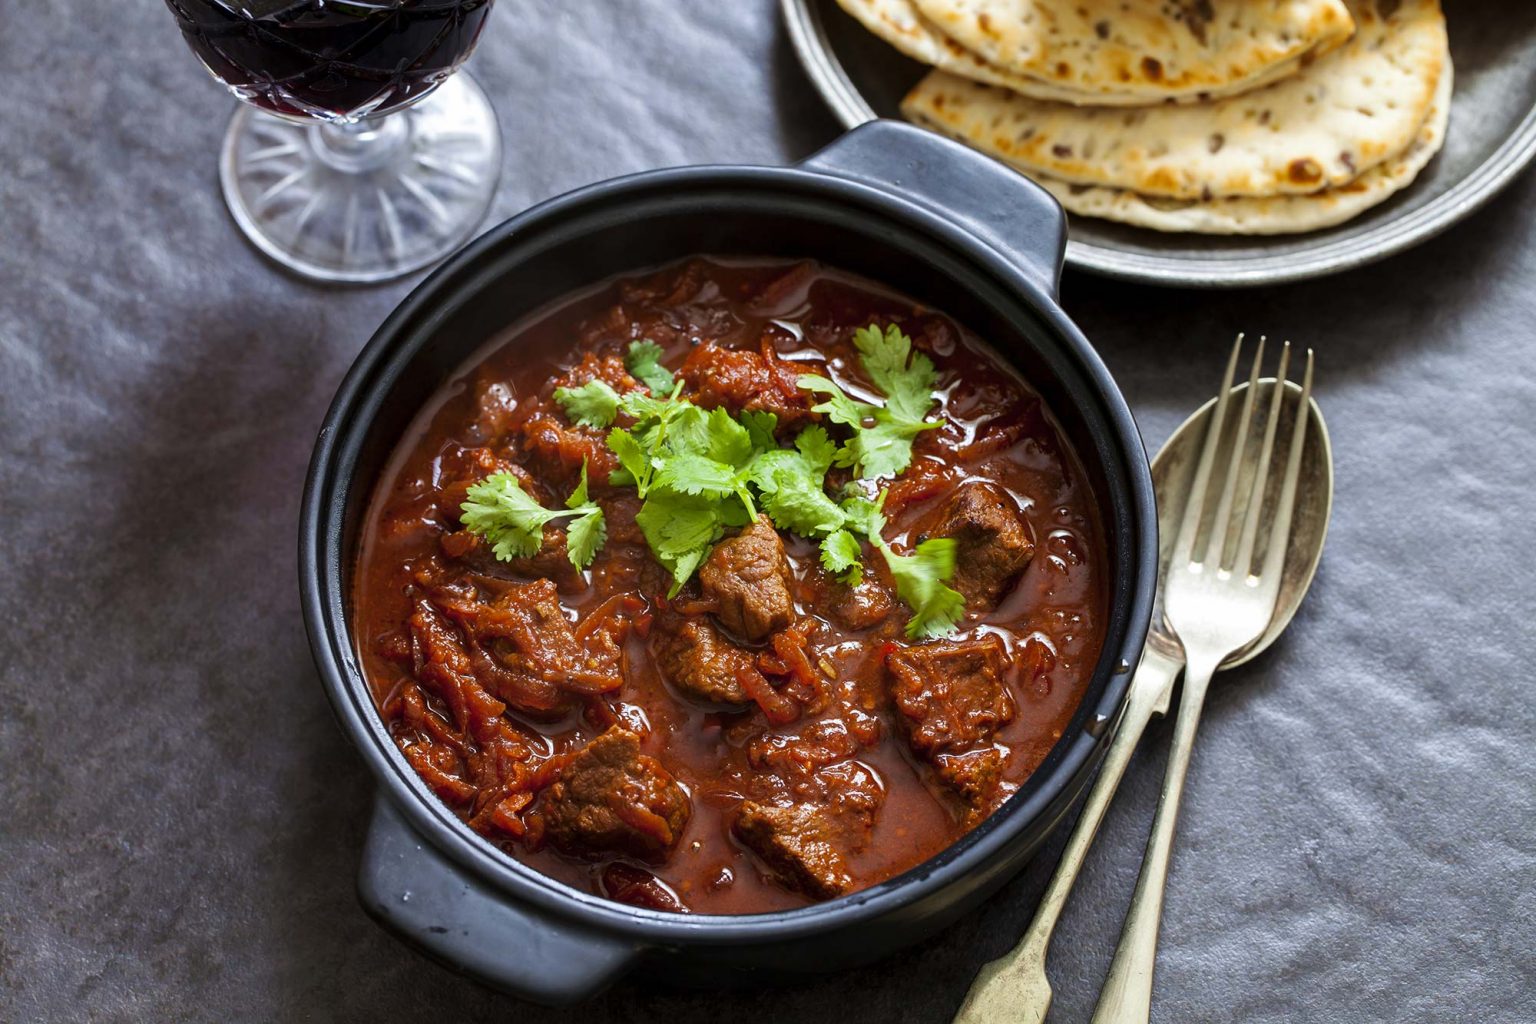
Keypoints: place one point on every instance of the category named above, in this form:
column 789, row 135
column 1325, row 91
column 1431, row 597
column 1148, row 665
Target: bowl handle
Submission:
column 1009, row 212
column 408, row 886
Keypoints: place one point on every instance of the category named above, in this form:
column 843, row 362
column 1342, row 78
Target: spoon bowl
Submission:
column 1173, row 469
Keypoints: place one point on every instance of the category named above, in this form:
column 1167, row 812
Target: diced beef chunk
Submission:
column 611, row 798
column 796, row 756
column 542, row 641
column 526, row 647
column 818, row 806
column 798, row 844
column 458, row 467
column 994, row 542
column 847, row 793
column 551, row 561
column 698, row 659
column 748, row 575
column 817, row 766
column 639, row 888
column 951, row 699
column 973, row 775
column 864, row 606
column 740, row 379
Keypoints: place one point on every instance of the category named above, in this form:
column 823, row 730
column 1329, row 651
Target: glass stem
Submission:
column 358, row 146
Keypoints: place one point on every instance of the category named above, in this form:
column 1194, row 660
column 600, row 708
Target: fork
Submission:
column 1217, row 606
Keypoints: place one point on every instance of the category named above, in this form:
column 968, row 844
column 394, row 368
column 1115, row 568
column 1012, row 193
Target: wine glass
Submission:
column 358, row 155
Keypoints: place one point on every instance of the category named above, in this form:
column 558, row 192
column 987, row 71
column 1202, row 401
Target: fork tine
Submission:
column 1280, row 530
column 1216, row 542
column 1194, row 504
column 1244, row 560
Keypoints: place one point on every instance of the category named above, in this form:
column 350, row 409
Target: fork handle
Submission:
column 1127, row 994
column 1013, row 989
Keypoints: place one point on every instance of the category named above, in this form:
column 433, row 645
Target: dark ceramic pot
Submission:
column 903, row 207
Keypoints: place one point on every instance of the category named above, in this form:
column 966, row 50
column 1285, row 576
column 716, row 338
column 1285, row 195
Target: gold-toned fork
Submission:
column 1219, row 596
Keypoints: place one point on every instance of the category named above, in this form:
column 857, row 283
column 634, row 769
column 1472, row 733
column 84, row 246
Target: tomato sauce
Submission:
column 843, row 675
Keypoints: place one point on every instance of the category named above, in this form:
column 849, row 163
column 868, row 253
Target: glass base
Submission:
column 368, row 201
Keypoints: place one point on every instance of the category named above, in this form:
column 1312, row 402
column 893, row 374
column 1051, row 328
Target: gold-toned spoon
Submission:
column 1014, row 989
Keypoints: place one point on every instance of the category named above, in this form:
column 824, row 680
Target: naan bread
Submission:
column 1151, row 50
column 1275, row 215
column 901, row 24
column 1346, row 113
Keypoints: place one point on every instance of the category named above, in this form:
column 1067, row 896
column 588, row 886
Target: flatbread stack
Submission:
column 1213, row 116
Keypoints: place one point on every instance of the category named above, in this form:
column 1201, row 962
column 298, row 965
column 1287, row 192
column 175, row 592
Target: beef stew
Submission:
column 737, row 728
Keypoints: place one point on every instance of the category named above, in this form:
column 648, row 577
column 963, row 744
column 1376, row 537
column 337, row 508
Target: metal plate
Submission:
column 1492, row 138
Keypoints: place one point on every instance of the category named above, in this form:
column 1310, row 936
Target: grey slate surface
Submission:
column 180, row 821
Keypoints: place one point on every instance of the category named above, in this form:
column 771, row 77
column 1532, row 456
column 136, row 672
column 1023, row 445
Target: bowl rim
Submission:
column 461, row 279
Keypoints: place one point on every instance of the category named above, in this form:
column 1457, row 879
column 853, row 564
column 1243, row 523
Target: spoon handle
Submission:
column 1013, row 989
column 1127, row 994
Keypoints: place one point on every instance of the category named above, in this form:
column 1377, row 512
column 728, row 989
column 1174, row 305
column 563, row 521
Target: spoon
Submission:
column 1014, row 989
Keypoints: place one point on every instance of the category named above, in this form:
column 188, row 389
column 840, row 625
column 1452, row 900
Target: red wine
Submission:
column 331, row 58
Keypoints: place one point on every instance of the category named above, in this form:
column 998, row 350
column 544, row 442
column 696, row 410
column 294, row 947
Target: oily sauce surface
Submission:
column 495, row 775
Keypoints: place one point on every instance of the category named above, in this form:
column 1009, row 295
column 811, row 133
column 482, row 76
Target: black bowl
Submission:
column 903, row 207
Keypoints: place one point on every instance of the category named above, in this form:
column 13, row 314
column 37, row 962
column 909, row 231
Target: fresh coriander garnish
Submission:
column 840, row 555
column 681, row 529
column 594, row 404
column 881, row 441
column 793, row 484
column 693, row 467
column 643, row 360
column 702, row 472
column 920, row 576
column 499, row 510
column 588, row 532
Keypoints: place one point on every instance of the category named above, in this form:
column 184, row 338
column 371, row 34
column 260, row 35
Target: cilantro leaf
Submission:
column 882, row 435
column 793, row 484
column 802, row 509
column 920, row 576
column 729, row 441
column 675, row 523
column 578, row 499
column 884, row 449
column 588, row 532
column 499, row 510
column 643, row 360
column 760, row 428
column 840, row 554
column 684, row 566
column 585, row 537
column 839, row 407
column 594, row 404
column 680, row 530
column 641, row 406
column 865, row 516
column 697, row 474
column 817, row 448
column 906, row 378
column 632, row 459
column 767, row 466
